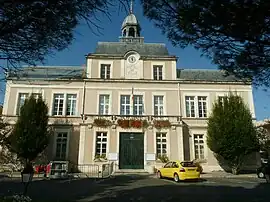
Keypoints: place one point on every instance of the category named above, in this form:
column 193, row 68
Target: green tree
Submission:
column 31, row 133
column 231, row 134
column 234, row 34
column 29, row 30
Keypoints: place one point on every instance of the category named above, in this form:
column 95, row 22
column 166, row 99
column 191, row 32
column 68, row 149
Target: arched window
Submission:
column 124, row 32
column 131, row 32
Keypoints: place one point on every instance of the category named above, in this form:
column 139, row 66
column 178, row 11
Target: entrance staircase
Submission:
column 131, row 172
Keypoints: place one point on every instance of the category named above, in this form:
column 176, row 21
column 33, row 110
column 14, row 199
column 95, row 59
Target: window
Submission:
column 61, row 145
column 199, row 146
column 125, row 105
column 104, row 104
column 161, row 143
column 105, row 71
column 158, row 106
column 58, row 104
column 138, row 105
column 168, row 165
column 101, row 144
column 37, row 95
column 21, row 100
column 64, row 104
column 157, row 72
column 190, row 106
column 202, row 106
column 71, row 104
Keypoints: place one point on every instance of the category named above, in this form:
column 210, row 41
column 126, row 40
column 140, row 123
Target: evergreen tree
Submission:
column 231, row 133
column 31, row 133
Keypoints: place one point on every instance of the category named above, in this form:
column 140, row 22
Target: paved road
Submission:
column 146, row 188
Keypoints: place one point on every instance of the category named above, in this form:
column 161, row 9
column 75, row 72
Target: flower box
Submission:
column 126, row 123
column 103, row 123
column 162, row 124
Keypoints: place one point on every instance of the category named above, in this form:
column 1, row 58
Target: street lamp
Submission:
column 27, row 176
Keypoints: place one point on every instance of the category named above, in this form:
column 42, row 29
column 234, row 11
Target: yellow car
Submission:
column 185, row 170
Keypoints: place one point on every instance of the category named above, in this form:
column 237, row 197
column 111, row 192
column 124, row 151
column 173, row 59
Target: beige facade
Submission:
column 139, row 82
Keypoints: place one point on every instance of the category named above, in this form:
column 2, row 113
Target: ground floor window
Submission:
column 161, row 144
column 101, row 144
column 199, row 146
column 61, row 145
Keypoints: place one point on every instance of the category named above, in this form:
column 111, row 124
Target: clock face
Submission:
column 132, row 59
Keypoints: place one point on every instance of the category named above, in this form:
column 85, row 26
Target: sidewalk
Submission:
column 220, row 174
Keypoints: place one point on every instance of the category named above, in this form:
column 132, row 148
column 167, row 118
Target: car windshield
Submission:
column 188, row 164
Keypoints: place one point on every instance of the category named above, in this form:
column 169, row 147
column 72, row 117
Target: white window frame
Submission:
column 105, row 62
column 29, row 91
column 158, row 67
column 95, row 139
column 71, row 99
column 65, row 103
column 101, row 142
column 59, row 130
column 110, row 100
column 162, row 143
column 190, row 101
column 201, row 102
column 168, row 136
column 156, row 63
column 164, row 102
column 138, row 105
column 196, row 95
column 104, row 105
column 204, row 145
column 126, row 105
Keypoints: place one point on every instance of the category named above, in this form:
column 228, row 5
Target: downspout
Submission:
column 83, row 102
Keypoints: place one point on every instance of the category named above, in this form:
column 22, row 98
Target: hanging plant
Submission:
column 162, row 124
column 125, row 123
column 101, row 122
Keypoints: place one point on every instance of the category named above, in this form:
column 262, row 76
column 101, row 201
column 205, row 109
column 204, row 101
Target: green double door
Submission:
column 131, row 154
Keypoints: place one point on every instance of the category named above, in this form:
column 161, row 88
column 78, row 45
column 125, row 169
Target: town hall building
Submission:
column 130, row 105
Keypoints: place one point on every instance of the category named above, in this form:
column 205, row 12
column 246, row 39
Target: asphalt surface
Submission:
column 143, row 188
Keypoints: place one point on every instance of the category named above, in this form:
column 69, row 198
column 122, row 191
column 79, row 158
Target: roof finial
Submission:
column 131, row 6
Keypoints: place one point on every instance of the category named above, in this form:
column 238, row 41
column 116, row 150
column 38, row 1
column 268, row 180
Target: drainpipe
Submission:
column 83, row 102
column 179, row 99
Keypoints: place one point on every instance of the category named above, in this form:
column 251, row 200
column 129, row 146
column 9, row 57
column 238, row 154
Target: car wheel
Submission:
column 267, row 177
column 176, row 177
column 261, row 175
column 159, row 175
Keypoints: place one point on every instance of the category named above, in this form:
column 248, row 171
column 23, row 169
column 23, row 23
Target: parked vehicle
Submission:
column 185, row 170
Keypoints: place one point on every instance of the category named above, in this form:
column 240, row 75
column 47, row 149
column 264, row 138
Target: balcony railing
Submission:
column 134, row 120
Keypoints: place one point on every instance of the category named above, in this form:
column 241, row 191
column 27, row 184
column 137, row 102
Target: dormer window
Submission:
column 105, row 71
column 157, row 72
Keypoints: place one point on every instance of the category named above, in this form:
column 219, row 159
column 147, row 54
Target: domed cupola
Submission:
column 131, row 28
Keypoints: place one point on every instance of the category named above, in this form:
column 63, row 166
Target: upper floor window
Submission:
column 158, row 105
column 196, row 106
column 125, row 105
column 104, row 104
column 138, row 105
column 190, row 106
column 202, row 106
column 21, row 101
column 105, row 71
column 157, row 72
column 71, row 104
column 64, row 104
column 22, row 97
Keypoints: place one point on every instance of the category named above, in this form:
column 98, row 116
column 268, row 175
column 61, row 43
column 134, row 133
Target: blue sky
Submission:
column 85, row 42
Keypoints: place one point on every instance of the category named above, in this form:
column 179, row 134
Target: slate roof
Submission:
column 121, row 48
column 206, row 75
column 48, row 72
column 77, row 72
